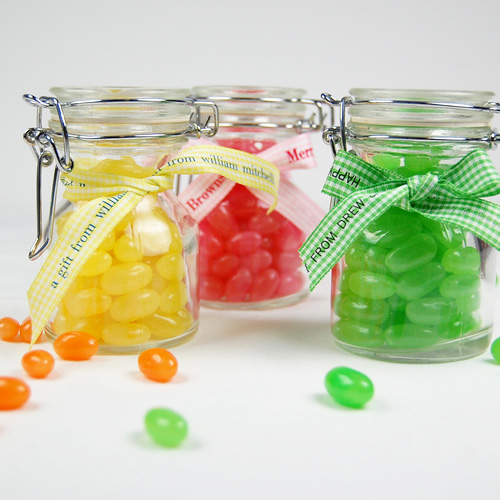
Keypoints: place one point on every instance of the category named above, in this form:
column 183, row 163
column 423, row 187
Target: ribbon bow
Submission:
column 367, row 191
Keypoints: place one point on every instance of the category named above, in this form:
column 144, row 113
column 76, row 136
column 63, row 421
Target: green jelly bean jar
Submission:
column 411, row 289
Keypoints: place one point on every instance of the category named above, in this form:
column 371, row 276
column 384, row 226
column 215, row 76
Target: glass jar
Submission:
column 249, row 258
column 435, row 281
column 139, row 289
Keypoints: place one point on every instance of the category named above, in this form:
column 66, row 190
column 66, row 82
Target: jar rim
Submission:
column 69, row 94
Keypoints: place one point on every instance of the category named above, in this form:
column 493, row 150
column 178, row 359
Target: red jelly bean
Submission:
column 244, row 243
column 290, row 238
column 225, row 265
column 13, row 393
column 211, row 288
column 257, row 261
column 265, row 224
column 242, row 203
column 290, row 284
column 287, row 261
column 223, row 223
column 38, row 363
column 9, row 328
column 238, row 285
column 264, row 285
column 209, row 243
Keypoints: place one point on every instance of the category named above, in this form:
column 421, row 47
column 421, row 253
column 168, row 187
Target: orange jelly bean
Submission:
column 13, row 393
column 158, row 364
column 38, row 363
column 76, row 346
column 25, row 331
column 9, row 328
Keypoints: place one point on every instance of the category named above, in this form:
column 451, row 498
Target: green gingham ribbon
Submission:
column 366, row 191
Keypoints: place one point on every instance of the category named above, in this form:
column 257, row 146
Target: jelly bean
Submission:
column 432, row 311
column 459, row 285
column 124, row 166
column 461, row 260
column 392, row 228
column 355, row 256
column 257, row 261
column 9, row 328
column 290, row 238
column 211, row 288
column 26, row 332
column 209, row 242
column 290, row 283
column 372, row 285
column 88, row 324
column 223, row 223
column 38, row 363
column 173, row 298
column 135, row 305
column 225, row 265
column 361, row 309
column 126, row 278
column 166, row 427
column 264, row 285
column 158, row 283
column 125, row 333
column 88, row 302
column 446, row 235
column 412, row 253
column 98, row 263
column 13, row 393
column 108, row 243
column 264, row 223
column 468, row 303
column 157, row 364
column 374, row 259
column 167, row 326
column 76, row 346
column 126, row 223
column 420, row 281
column 244, row 243
column 465, row 323
column 360, row 334
column 242, row 203
column 127, row 249
column 410, row 336
column 171, row 267
column 238, row 285
column 349, row 387
column 495, row 349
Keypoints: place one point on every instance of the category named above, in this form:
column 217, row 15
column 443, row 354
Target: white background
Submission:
column 250, row 384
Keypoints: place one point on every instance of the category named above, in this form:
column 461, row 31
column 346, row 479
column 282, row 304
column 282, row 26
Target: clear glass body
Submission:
column 140, row 288
column 410, row 289
column 248, row 259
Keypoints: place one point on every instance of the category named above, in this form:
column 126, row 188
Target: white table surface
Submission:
column 261, row 425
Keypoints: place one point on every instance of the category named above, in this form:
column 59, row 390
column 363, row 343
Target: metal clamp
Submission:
column 203, row 121
column 339, row 136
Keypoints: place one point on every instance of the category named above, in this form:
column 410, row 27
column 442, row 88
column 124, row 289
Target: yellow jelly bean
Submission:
column 125, row 333
column 126, row 278
column 62, row 220
column 135, row 305
column 124, row 223
column 158, row 283
column 176, row 245
column 88, row 302
column 170, row 325
column 174, row 297
column 98, row 263
column 109, row 242
column 124, row 166
column 61, row 320
column 92, row 325
column 127, row 249
column 171, row 267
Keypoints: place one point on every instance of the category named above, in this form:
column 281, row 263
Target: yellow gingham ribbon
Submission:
column 111, row 197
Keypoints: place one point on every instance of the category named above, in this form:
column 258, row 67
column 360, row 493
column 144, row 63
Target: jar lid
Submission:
column 121, row 111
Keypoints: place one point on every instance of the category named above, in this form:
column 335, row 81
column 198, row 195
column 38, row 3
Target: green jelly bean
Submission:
column 462, row 326
column 495, row 349
column 372, row 285
column 387, row 161
column 412, row 253
column 349, row 387
column 355, row 256
column 392, row 228
column 360, row 309
column 420, row 281
column 461, row 260
column 420, row 164
column 468, row 303
column 446, row 235
column 432, row 311
column 166, row 427
column 459, row 285
column 360, row 334
column 410, row 336
column 344, row 280
column 375, row 259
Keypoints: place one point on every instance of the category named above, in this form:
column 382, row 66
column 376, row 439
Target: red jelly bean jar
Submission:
column 248, row 257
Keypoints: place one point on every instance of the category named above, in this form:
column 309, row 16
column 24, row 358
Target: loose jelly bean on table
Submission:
column 9, row 329
column 14, row 393
column 38, row 363
column 349, row 387
column 76, row 346
column 25, row 331
column 166, row 427
column 495, row 350
column 158, row 364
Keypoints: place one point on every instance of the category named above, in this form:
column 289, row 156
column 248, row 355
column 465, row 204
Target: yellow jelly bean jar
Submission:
column 122, row 261
column 416, row 282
